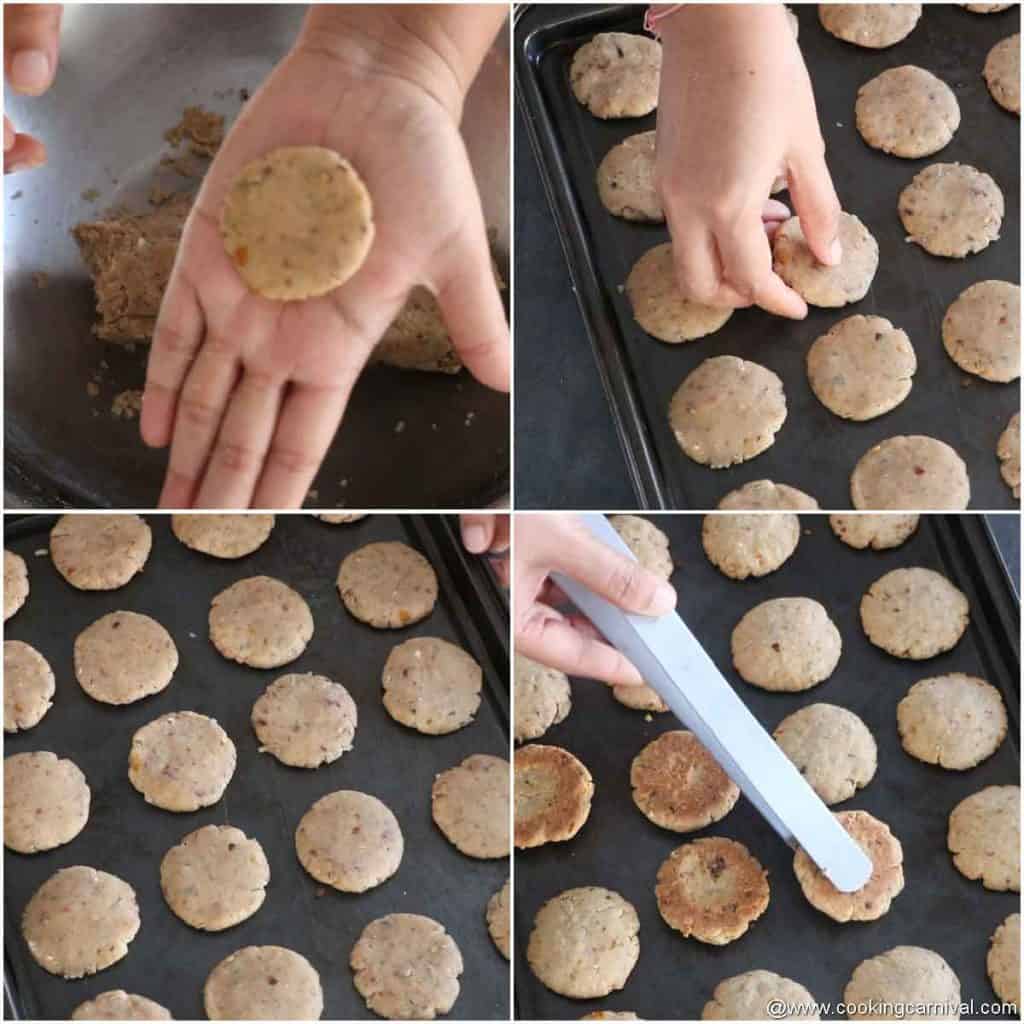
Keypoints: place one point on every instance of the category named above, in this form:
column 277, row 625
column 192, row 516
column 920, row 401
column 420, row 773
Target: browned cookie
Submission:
column 552, row 795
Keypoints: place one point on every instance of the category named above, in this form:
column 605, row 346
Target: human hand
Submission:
column 736, row 111
column 31, row 45
column 485, row 533
column 560, row 543
column 249, row 392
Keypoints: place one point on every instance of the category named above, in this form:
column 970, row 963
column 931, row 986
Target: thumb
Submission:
column 31, row 43
column 817, row 205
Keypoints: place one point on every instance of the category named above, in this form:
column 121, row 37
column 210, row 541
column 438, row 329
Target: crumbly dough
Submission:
column 120, row 1005
column 1002, row 73
column 765, row 495
column 981, row 330
column 616, row 74
column 625, row 180
column 750, row 545
column 470, row 805
column 15, row 583
column 907, row 111
column 499, row 920
column 29, row 686
column 873, row 26
column 387, row 585
column 223, row 536
column 984, row 837
column 1003, row 960
column 542, row 698
column 100, row 552
column 912, row 472
column 878, row 531
column 1008, row 453
column 747, row 996
column 553, row 790
column 648, row 544
column 263, row 983
column 907, row 976
column 46, row 801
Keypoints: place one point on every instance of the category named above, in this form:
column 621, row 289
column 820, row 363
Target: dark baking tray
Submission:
column 620, row 849
column 814, row 450
column 168, row 961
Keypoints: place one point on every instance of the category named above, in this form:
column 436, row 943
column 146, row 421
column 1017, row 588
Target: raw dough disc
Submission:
column 340, row 518
column 747, row 996
column 907, row 111
column 552, row 795
column 46, row 801
column 263, row 983
column 470, row 805
column 903, row 976
column 542, row 698
column 764, row 495
column 878, row 531
column 911, row 472
column 648, row 544
column 749, row 545
column 616, row 74
column 987, row 8
column 625, row 180
column 1008, row 453
column 1003, row 961
column 387, row 585
column 100, row 552
column 29, row 686
column 981, row 330
column 15, row 583
column 874, row 26
column 639, row 698
column 120, row 1005
column 1002, row 73
column 499, row 919
column 223, row 536
column 984, row 837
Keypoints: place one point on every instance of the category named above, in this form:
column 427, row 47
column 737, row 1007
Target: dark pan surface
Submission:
column 618, row 847
column 168, row 961
column 815, row 450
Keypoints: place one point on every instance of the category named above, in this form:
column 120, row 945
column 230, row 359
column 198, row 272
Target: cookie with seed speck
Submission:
column 387, row 585
column 649, row 546
column 981, row 330
column 1002, row 73
column 625, row 180
column 100, row 552
column 873, row 26
column 553, row 790
column 15, row 583
column 263, row 983
column 984, row 837
column 878, row 531
column 470, row 805
column 748, row 996
column 542, row 697
column 911, row 472
column 904, row 976
column 46, row 801
column 29, row 686
column 1008, row 453
column 907, row 111
column 765, row 495
column 120, row 1005
column 499, row 919
column 617, row 74
column 1003, row 960
column 749, row 545
column 223, row 536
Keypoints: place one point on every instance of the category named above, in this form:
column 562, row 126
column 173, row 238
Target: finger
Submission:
column 9, row 133
column 24, row 154
column 695, row 261
column 817, row 205
column 477, row 532
column 31, row 42
column 502, row 534
column 502, row 568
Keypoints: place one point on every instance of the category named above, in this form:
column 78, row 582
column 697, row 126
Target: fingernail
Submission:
column 835, row 252
column 475, row 538
column 30, row 71
column 664, row 599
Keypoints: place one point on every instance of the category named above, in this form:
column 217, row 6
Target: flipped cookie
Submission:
column 470, row 805
column 764, row 495
column 907, row 111
column 1003, row 960
column 904, row 976
column 617, row 74
column 120, row 1005
column 1008, row 453
column 984, row 837
column 747, row 996
column 499, row 920
column 552, row 795
column 263, row 983
column 15, row 583
column 222, row 536
column 749, row 545
column 1002, row 73
column 981, row 330
column 650, row 547
column 879, row 531
column 387, row 585
column 46, row 801
column 100, row 552
column 873, row 26
column 29, row 686
column 542, row 698
column 910, row 472
column 625, row 180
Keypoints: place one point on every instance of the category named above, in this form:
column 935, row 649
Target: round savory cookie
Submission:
column 879, row 531
column 639, row 698
column 951, row 209
column 263, row 983
column 749, row 545
column 470, row 805
column 833, row 749
column 80, row 921
column 46, row 801
column 29, row 686
column 727, row 411
column 350, row 841
column 215, row 878
column 788, row 643
column 431, row 685
column 981, row 330
column 120, row 1005
column 222, row 536
column 678, row 785
column 986, row 8
column 340, row 518
column 297, row 222
column 1003, row 960
column 748, row 996
column 260, row 622
column 766, row 496
column 1002, row 73
column 904, row 976
column 873, row 26
column 181, row 761
column 100, row 552
column 124, row 657
column 406, row 967
column 872, row 900
column 616, row 74
column 914, row 613
column 15, row 583
column 610, row 1015
column 585, row 942
column 820, row 285
column 907, row 111
column 712, row 890
column 955, row 721
column 1008, row 453
column 862, row 367
column 387, row 585
column 305, row 720
column 625, row 180
column 552, row 795
column 542, row 698
column 912, row 471
column 499, row 920
column 650, row 547
column 984, row 837
column 660, row 308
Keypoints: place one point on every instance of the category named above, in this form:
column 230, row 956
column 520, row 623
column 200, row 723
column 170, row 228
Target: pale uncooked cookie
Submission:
column 678, row 785
column 340, row 518
column 124, row 657
column 660, row 308
column 788, row 643
column 981, row 330
column 120, row 1005
column 387, row 585
column 181, row 761
column 499, row 919
column 610, row 1015
column 727, row 411
column 911, row 472
column 616, row 74
column 914, row 613
column 955, row 721
column 350, row 841
column 470, row 805
column 431, row 685
column 639, row 698
column 553, row 790
column 765, row 495
column 406, row 967
column 747, row 996
column 263, row 983
column 648, row 544
column 1008, row 453
column 878, row 531
column 80, row 921
column 848, row 281
column 874, row 26
column 749, row 545
column 907, row 111
column 305, row 720
column 905, row 977
column 833, row 749
column 861, row 367
column 1003, row 960
column 712, row 890
column 625, row 180
column 873, row 899
column 542, row 698
column 15, row 583
column 100, row 552
column 297, row 222
column 29, row 686
column 984, row 837
column 46, row 801
column 986, row 8
column 215, row 878
column 585, row 942
column 1002, row 73
column 951, row 209
column 223, row 536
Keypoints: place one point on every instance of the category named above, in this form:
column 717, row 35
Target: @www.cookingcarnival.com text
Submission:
column 879, row 1009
